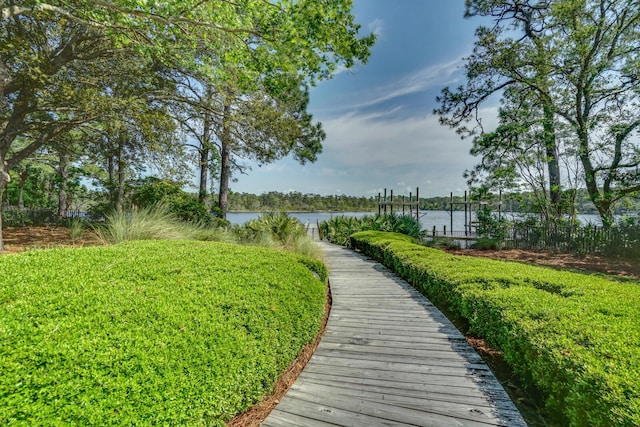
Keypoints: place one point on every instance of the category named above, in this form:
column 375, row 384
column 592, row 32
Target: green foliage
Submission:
column 186, row 207
column 76, row 228
column 490, row 228
column 152, row 191
column 338, row 229
column 574, row 337
column 296, row 201
column 277, row 230
column 273, row 230
column 441, row 243
column 278, row 225
column 15, row 218
column 163, row 333
column 486, row 244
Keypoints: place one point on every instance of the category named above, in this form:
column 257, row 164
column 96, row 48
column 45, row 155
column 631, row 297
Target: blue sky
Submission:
column 381, row 132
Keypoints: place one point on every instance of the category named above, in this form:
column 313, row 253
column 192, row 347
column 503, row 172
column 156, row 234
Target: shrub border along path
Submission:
column 573, row 336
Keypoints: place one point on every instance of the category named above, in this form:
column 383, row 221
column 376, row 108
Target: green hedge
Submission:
column 156, row 332
column 576, row 337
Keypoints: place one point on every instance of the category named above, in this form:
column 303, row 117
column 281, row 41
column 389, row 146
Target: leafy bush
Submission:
column 16, row 218
column 277, row 230
column 486, row 244
column 491, row 228
column 186, row 207
column 151, row 191
column 441, row 243
column 150, row 333
column 278, row 226
column 574, row 337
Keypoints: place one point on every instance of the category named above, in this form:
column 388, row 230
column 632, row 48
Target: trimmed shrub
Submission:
column 574, row 337
column 150, row 333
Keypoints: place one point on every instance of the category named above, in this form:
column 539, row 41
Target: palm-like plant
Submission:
column 338, row 229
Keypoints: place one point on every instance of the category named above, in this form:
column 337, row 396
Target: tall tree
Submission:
column 264, row 127
column 598, row 93
column 578, row 61
column 510, row 55
column 46, row 44
column 513, row 157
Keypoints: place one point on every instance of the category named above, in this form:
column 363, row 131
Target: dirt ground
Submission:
column 20, row 239
column 29, row 238
column 587, row 263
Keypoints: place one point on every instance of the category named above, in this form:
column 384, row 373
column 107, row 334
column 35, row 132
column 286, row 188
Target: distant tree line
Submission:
column 525, row 202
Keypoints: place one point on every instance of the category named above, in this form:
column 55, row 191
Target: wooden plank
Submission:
column 399, row 332
column 415, row 366
column 434, row 345
column 390, row 358
column 446, row 392
column 279, row 418
column 380, row 413
column 436, row 379
column 396, row 352
column 483, row 412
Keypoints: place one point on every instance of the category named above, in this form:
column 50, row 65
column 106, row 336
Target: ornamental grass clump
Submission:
column 156, row 222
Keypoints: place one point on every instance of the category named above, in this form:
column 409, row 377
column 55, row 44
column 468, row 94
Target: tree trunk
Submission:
column 553, row 166
column 204, row 174
column 4, row 180
column 204, row 159
column 205, row 152
column 51, row 186
column 111, row 180
column 602, row 203
column 121, row 176
column 63, row 172
column 23, row 181
column 225, row 164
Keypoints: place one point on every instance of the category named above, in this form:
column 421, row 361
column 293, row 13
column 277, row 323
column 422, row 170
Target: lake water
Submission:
column 428, row 219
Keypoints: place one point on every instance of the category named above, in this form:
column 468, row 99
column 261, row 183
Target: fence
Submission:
column 615, row 241
column 618, row 241
column 20, row 217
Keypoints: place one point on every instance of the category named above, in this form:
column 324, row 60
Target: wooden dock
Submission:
column 390, row 358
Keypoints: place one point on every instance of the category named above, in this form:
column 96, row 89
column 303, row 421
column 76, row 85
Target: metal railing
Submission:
column 19, row 217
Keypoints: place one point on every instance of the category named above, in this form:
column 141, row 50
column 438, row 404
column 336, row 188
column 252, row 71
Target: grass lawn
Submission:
column 155, row 332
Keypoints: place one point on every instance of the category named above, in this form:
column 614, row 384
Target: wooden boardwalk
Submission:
column 390, row 358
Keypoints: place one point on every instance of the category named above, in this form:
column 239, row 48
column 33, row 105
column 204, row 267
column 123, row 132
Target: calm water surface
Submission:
column 428, row 219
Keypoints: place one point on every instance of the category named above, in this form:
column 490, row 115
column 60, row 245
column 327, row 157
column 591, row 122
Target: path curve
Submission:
column 389, row 357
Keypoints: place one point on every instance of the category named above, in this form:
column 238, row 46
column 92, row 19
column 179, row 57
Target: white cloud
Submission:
column 408, row 153
column 376, row 26
column 438, row 75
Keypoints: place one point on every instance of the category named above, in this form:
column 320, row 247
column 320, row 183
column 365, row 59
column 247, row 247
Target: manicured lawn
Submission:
column 157, row 332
